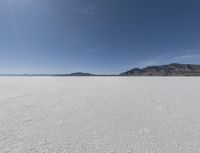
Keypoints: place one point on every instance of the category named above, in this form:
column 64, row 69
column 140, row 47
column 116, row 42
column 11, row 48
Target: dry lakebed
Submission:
column 99, row 114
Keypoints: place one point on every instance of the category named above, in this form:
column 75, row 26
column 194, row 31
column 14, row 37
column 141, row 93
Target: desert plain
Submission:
column 99, row 114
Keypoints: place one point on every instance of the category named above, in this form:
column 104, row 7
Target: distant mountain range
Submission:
column 63, row 75
column 173, row 69
column 72, row 74
column 81, row 74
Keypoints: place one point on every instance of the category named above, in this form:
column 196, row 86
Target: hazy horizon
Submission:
column 96, row 36
column 8, row 74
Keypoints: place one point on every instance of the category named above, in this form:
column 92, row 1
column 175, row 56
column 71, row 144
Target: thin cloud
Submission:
column 183, row 59
column 90, row 50
column 193, row 58
column 87, row 10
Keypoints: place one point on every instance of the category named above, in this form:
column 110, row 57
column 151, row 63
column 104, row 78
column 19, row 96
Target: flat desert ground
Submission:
column 99, row 114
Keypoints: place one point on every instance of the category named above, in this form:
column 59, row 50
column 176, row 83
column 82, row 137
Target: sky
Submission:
column 97, row 36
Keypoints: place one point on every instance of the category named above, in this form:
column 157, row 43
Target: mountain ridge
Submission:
column 174, row 69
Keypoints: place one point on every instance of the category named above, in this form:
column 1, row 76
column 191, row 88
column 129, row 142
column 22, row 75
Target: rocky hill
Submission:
column 173, row 69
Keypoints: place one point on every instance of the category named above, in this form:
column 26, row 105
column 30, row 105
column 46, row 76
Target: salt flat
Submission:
column 99, row 114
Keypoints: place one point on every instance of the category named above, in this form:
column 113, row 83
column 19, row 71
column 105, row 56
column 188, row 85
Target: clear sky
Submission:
column 97, row 36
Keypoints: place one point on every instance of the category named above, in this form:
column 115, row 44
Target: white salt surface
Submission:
column 99, row 115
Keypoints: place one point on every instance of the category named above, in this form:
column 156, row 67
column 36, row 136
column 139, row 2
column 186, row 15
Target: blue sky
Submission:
column 97, row 36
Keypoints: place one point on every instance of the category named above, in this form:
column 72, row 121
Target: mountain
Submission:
column 81, row 74
column 72, row 74
column 173, row 69
column 59, row 75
